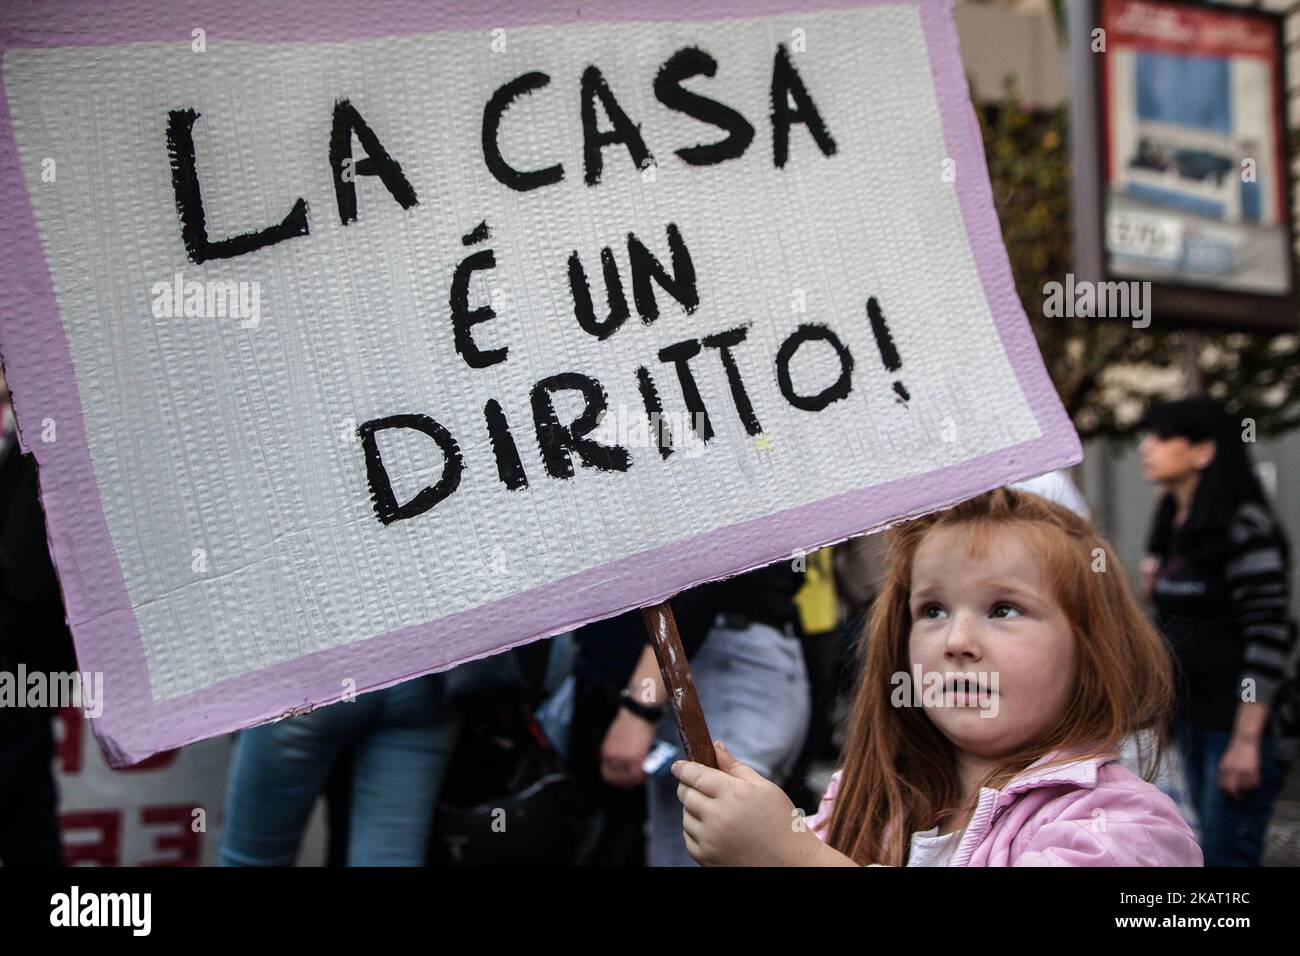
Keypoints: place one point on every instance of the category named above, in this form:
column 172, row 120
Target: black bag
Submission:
column 508, row 799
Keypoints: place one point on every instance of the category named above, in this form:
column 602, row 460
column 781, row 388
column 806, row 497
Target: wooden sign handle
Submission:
column 676, row 671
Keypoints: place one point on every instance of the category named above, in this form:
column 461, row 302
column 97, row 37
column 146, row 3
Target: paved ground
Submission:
column 1284, row 835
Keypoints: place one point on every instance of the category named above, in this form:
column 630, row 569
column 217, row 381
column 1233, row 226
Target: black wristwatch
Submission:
column 645, row 712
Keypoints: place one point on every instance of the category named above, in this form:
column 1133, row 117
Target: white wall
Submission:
column 1123, row 501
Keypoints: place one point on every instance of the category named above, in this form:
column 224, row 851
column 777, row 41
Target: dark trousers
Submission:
column 29, row 822
column 1232, row 831
column 622, row 813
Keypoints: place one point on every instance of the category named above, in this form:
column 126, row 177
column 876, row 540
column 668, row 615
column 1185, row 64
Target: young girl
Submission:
column 1035, row 664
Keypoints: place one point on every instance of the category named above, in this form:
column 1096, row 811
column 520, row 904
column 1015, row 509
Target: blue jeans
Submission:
column 403, row 738
column 753, row 687
column 1232, row 831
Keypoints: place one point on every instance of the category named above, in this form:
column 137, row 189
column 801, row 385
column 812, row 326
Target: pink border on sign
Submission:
column 44, row 386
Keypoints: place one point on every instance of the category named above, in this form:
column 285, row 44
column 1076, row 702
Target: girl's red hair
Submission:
column 899, row 774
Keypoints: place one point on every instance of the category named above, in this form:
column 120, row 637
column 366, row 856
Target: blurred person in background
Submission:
column 400, row 740
column 1218, row 573
column 748, row 667
column 608, row 653
column 34, row 635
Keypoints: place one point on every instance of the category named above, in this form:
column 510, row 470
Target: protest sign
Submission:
column 356, row 341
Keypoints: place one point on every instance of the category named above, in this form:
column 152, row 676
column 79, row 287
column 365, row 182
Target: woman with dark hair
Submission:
column 1218, row 574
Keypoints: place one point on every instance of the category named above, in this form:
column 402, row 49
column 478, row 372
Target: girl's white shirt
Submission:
column 930, row 849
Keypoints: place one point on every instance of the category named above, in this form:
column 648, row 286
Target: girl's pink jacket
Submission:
column 1088, row 812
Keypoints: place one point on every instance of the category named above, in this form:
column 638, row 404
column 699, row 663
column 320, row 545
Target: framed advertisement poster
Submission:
column 1193, row 160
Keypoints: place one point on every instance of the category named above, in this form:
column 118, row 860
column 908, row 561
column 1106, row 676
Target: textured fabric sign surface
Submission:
column 356, row 341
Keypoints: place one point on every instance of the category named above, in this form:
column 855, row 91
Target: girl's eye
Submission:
column 933, row 611
column 1005, row 609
